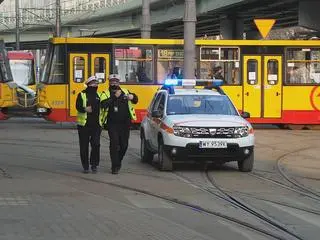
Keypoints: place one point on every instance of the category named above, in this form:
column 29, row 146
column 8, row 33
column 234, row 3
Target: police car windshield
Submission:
column 200, row 104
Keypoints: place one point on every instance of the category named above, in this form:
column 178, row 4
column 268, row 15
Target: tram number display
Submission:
column 164, row 54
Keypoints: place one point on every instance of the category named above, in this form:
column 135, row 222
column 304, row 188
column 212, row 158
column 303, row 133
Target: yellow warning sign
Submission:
column 264, row 26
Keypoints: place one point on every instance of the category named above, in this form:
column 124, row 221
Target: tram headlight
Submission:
column 42, row 110
column 241, row 132
column 182, row 131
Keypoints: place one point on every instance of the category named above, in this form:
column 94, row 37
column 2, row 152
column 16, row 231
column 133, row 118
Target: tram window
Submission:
column 56, row 75
column 100, row 69
column 230, row 54
column 227, row 71
column 134, row 64
column 170, row 64
column 303, row 66
column 252, row 72
column 272, row 72
column 220, row 63
column 78, row 69
column 210, row 53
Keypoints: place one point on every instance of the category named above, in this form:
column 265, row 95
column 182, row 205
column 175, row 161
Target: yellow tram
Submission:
column 7, row 86
column 276, row 81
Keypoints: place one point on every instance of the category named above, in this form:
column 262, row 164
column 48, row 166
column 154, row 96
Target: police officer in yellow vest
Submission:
column 89, row 119
column 118, row 103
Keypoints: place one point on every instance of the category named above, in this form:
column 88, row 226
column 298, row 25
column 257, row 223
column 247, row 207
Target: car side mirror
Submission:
column 245, row 115
column 156, row 114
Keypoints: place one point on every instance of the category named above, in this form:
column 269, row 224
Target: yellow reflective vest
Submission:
column 132, row 111
column 82, row 117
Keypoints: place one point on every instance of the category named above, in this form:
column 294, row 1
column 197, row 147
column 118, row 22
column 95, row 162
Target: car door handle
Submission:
column 277, row 94
column 247, row 93
column 74, row 92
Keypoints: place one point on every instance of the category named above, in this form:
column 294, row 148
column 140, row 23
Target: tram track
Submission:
column 291, row 180
column 295, row 186
column 172, row 200
column 248, row 208
column 223, row 195
column 308, row 210
column 213, row 189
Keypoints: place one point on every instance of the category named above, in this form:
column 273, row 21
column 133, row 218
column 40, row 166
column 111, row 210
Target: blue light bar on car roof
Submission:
column 180, row 82
column 217, row 83
column 171, row 82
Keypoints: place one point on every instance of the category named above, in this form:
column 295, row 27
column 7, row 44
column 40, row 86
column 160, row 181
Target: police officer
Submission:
column 118, row 103
column 89, row 119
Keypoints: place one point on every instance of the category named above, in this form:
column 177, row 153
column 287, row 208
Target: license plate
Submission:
column 212, row 144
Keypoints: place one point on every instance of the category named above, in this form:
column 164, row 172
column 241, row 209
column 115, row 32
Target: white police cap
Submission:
column 114, row 77
column 92, row 79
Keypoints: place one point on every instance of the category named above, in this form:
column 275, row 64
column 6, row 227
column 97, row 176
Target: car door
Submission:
column 155, row 122
column 147, row 121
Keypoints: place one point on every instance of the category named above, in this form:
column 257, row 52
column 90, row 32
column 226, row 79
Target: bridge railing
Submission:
column 36, row 15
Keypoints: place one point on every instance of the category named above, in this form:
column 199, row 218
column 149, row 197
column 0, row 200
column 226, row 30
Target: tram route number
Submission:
column 57, row 103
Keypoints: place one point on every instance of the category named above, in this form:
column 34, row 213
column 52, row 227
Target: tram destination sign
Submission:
column 170, row 54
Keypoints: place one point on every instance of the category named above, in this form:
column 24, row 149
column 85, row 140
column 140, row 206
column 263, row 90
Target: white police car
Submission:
column 190, row 124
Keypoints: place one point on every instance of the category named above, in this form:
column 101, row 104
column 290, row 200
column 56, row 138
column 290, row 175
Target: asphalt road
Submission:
column 44, row 195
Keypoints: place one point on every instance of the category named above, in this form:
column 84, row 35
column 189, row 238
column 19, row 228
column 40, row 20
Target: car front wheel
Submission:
column 165, row 162
column 145, row 154
column 246, row 165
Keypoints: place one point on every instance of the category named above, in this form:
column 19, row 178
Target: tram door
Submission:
column 262, row 86
column 81, row 66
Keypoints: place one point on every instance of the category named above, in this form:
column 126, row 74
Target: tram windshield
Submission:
column 204, row 104
column 23, row 71
column 5, row 73
column 53, row 69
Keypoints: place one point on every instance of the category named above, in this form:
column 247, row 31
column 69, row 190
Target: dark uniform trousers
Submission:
column 119, row 138
column 89, row 134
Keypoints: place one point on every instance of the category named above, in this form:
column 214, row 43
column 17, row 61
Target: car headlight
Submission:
column 241, row 132
column 182, row 131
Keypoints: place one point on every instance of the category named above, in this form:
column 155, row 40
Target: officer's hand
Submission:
column 88, row 109
column 118, row 93
column 130, row 97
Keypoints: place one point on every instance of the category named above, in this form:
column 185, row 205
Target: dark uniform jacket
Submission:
column 118, row 112
column 93, row 100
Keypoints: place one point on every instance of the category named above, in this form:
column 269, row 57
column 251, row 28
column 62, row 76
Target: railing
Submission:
column 37, row 15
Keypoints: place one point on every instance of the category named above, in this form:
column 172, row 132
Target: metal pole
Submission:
column 58, row 18
column 190, row 18
column 146, row 21
column 17, row 25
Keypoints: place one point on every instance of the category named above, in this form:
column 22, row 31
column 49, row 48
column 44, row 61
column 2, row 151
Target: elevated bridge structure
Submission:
column 123, row 18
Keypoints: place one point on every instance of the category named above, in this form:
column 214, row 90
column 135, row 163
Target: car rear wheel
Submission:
column 165, row 162
column 246, row 165
column 145, row 154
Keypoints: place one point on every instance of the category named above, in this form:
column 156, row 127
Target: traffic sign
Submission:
column 264, row 26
